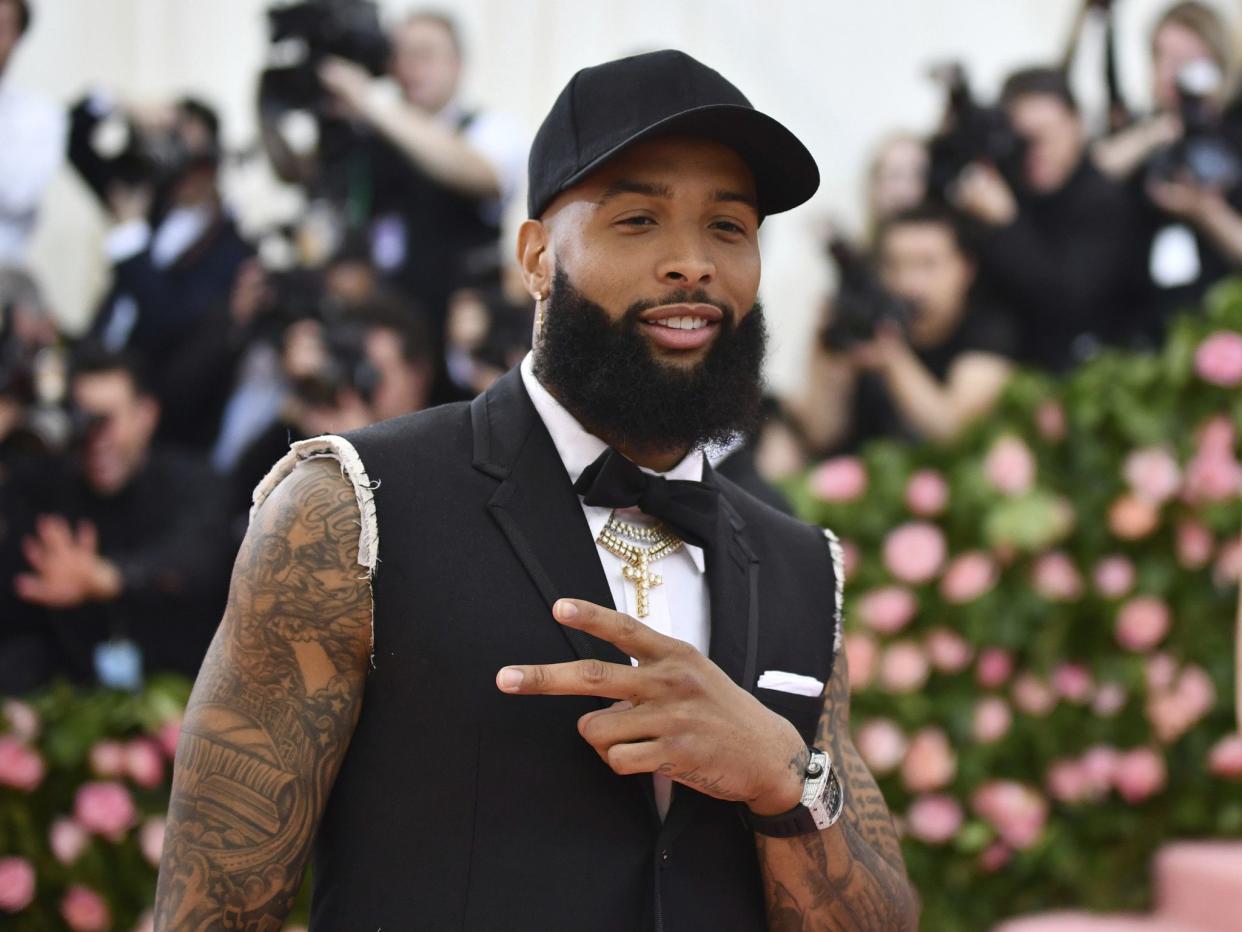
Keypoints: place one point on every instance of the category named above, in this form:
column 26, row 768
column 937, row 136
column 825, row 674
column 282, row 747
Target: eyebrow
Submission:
column 665, row 192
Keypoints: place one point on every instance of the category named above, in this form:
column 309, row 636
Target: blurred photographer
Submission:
column 1054, row 242
column 33, row 134
column 911, row 353
column 174, row 248
column 1183, row 165
column 115, row 557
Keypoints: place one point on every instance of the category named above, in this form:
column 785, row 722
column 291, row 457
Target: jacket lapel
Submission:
column 733, row 583
column 536, row 507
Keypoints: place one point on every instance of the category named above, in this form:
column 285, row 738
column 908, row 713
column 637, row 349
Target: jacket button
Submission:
column 665, row 857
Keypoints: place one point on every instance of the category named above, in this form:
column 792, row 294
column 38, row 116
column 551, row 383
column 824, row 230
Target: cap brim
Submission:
column 785, row 171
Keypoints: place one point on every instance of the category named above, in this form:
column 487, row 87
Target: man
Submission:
column 1057, row 249
column 116, row 555
column 175, row 254
column 444, row 172
column 34, row 142
column 468, row 798
column 930, row 383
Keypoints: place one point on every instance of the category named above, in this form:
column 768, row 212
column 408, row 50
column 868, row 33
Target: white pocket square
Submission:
column 794, row 683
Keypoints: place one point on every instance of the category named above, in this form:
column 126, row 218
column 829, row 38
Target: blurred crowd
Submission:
column 1017, row 235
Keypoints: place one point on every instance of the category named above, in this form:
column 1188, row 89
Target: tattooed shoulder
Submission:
column 272, row 711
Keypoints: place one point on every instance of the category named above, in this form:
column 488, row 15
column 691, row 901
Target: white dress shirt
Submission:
column 680, row 606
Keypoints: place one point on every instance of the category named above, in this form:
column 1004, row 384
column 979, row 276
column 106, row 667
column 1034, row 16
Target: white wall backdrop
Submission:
column 840, row 73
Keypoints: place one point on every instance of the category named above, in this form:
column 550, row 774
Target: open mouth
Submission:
column 682, row 326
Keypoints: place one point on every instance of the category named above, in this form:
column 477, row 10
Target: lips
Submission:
column 682, row 326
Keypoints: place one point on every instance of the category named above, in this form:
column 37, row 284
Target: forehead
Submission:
column 104, row 387
column 685, row 165
column 918, row 237
column 421, row 32
column 1035, row 109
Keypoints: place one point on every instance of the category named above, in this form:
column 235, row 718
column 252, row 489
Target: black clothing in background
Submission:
column 167, row 534
column 1063, row 266
column 874, row 415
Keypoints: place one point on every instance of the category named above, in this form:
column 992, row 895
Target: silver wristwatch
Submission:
column 823, row 801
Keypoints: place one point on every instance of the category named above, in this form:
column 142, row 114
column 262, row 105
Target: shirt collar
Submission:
column 579, row 448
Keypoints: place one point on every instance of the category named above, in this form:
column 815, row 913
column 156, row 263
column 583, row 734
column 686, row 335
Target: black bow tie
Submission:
column 689, row 508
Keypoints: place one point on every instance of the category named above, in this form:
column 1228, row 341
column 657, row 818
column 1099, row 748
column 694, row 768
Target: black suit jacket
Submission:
column 459, row 807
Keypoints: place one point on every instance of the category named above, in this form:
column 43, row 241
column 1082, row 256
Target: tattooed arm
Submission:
column 272, row 712
column 849, row 877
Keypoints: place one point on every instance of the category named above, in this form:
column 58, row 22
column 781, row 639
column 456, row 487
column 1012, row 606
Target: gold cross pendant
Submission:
column 644, row 581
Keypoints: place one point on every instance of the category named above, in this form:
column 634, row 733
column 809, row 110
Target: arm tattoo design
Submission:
column 850, row 877
column 271, row 714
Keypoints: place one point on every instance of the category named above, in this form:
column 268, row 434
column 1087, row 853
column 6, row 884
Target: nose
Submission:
column 688, row 264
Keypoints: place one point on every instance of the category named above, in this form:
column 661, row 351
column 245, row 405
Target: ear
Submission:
column 149, row 412
column 534, row 257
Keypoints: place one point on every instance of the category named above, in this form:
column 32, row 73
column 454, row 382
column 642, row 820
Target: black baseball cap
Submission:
column 605, row 108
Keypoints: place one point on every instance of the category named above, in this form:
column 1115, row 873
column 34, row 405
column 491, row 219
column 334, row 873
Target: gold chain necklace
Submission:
column 638, row 560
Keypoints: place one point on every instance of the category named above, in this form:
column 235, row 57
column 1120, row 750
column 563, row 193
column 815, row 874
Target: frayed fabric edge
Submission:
column 341, row 450
column 838, row 574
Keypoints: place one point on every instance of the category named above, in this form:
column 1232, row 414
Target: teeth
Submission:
column 683, row 323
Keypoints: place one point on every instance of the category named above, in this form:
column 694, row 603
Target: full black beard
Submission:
column 607, row 376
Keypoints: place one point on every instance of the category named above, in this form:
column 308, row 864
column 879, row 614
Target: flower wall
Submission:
column 1040, row 624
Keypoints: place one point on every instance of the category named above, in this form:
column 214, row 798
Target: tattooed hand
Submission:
column 678, row 714
column 271, row 713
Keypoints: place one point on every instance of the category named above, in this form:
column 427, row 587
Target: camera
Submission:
column 971, row 132
column 346, row 366
column 862, row 303
column 1203, row 154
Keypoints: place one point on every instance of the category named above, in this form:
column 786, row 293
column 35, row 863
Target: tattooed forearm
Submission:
column 850, row 877
column 271, row 714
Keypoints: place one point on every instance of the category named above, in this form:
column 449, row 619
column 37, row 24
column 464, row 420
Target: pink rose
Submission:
column 1099, row 768
column 144, row 763
column 968, row 577
column 105, row 809
column 888, row 609
column 107, row 759
column 1217, row 435
column 1153, row 474
column 84, row 910
column 1073, row 682
column 992, row 720
column 1212, row 476
column 1010, row 467
column 168, row 736
column 1228, row 568
column 850, row 557
column 1067, row 781
column 840, row 479
column 927, row 493
column 1170, row 716
column 903, row 668
column 930, row 763
column 861, row 654
column 914, row 552
column 1050, row 421
column 1056, row 578
column 1131, row 518
column 994, row 857
column 1196, row 689
column 67, row 839
column 1159, row 672
column 1142, row 623
column 1225, row 758
column 934, row 819
column 1110, row 699
column 22, row 719
column 1017, row 812
column 151, row 840
column 948, row 651
column 17, row 884
column 20, row 767
column 1140, row 774
column 994, row 668
column 1033, row 696
column 882, row 745
column 1114, row 576
column 1194, row 545
column 1218, row 359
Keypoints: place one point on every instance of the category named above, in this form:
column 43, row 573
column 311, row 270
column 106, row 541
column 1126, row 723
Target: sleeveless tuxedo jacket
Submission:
column 461, row 807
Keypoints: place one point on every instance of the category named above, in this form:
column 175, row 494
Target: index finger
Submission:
column 628, row 634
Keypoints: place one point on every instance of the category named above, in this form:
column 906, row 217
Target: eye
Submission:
column 728, row 226
column 637, row 221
